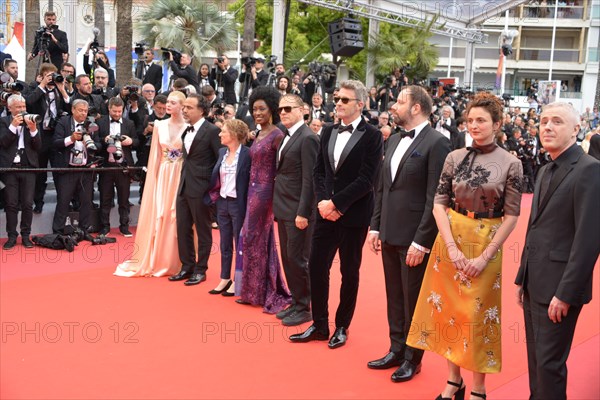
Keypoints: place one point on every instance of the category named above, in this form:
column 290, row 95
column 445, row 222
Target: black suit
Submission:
column 294, row 196
column 594, row 150
column 226, row 80
column 350, row 187
column 37, row 103
column 19, row 185
column 403, row 215
column 69, row 183
column 109, row 180
column 196, row 172
column 188, row 73
column 56, row 50
column 561, row 249
column 153, row 74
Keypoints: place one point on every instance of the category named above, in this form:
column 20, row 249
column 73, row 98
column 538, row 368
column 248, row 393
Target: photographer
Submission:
column 19, row 147
column 100, row 61
column 135, row 106
column 50, row 100
column 149, row 72
column 11, row 67
column 67, row 70
column 101, row 86
column 225, row 76
column 83, row 91
column 75, row 153
column 118, row 137
column 184, row 69
column 51, row 40
column 284, row 85
column 526, row 152
column 386, row 96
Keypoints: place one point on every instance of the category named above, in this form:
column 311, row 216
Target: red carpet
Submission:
column 71, row 330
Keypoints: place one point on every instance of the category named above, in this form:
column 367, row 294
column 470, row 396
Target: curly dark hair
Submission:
column 270, row 96
column 490, row 102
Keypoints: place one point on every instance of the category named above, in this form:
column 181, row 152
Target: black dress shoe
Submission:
column 215, row 291
column 406, row 372
column 12, row 242
column 180, row 276
column 339, row 338
column 240, row 301
column 38, row 209
column 195, row 279
column 297, row 318
column 284, row 313
column 125, row 231
column 27, row 243
column 312, row 333
column 390, row 360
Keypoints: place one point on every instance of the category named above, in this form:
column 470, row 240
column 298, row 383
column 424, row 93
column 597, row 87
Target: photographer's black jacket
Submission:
column 64, row 129
column 37, row 102
column 188, row 73
column 127, row 129
column 56, row 50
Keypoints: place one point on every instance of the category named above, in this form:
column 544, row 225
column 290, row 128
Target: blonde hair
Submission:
column 180, row 96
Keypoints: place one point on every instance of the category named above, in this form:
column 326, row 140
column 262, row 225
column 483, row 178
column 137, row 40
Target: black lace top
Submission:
column 481, row 181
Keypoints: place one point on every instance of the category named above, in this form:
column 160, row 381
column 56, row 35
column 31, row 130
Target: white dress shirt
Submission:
column 287, row 137
column 189, row 137
column 342, row 140
column 228, row 175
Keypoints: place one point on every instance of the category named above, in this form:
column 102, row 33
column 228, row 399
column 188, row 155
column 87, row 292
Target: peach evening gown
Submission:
column 155, row 251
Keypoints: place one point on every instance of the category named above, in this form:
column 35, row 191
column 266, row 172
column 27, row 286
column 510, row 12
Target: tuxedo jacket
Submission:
column 404, row 204
column 127, row 129
column 154, row 75
column 9, row 143
column 64, row 129
column 294, row 193
column 350, row 185
column 242, row 179
column 188, row 73
column 37, row 104
column 199, row 162
column 561, row 244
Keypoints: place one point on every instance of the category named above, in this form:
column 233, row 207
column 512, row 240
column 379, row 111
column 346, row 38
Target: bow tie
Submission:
column 190, row 128
column 347, row 128
column 115, row 121
column 410, row 134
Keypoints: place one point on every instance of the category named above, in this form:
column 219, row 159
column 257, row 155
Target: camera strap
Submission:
column 50, row 114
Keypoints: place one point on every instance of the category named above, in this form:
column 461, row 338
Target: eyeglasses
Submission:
column 344, row 100
column 287, row 109
column 149, row 91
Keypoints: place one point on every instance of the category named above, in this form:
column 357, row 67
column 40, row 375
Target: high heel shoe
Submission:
column 458, row 395
column 482, row 395
column 215, row 291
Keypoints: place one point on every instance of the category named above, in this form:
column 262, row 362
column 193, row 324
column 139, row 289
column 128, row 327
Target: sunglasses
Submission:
column 287, row 109
column 344, row 100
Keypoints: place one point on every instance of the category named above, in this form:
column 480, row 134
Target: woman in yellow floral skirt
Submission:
column 476, row 206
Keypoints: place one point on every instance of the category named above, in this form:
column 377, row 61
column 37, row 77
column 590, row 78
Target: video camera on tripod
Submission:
column 323, row 75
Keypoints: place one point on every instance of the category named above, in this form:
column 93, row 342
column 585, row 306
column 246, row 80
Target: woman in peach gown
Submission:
column 155, row 251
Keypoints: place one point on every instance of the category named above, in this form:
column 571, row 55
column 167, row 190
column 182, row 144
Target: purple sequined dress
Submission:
column 258, row 274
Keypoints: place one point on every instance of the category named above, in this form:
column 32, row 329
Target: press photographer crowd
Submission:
column 80, row 121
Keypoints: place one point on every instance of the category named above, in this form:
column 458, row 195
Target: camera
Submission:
column 88, row 128
column 95, row 45
column 220, row 60
column 271, row 64
column 176, row 54
column 114, row 146
column 4, row 96
column 247, row 61
column 31, row 118
column 57, row 78
column 14, row 86
column 133, row 92
column 140, row 47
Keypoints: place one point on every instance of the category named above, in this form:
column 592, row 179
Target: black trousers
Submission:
column 44, row 156
column 192, row 211
column 68, row 185
column 107, row 183
column 548, row 348
column 402, row 287
column 295, row 246
column 19, row 189
column 329, row 237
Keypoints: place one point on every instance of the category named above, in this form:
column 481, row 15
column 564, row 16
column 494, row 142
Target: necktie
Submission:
column 546, row 180
column 347, row 128
column 410, row 134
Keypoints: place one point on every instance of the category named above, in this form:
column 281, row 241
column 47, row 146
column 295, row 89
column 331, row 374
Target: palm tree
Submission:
column 99, row 20
column 124, row 42
column 249, row 31
column 191, row 26
column 398, row 47
column 32, row 19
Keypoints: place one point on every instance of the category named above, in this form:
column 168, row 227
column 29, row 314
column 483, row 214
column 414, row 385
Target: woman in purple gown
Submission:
column 258, row 277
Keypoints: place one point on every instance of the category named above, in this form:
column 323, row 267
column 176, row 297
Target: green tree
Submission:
column 398, row 46
column 192, row 26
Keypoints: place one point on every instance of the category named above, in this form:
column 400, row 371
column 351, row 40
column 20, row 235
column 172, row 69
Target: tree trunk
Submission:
column 249, row 22
column 32, row 23
column 99, row 21
column 124, row 70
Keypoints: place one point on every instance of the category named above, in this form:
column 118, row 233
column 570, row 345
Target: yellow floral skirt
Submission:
column 458, row 316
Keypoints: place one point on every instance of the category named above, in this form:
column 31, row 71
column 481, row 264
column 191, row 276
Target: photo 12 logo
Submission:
column 69, row 332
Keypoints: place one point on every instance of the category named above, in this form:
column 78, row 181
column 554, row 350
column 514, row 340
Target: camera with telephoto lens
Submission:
column 31, row 118
column 133, row 92
column 57, row 78
column 5, row 95
column 87, row 129
column 14, row 86
column 114, row 146
column 176, row 55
